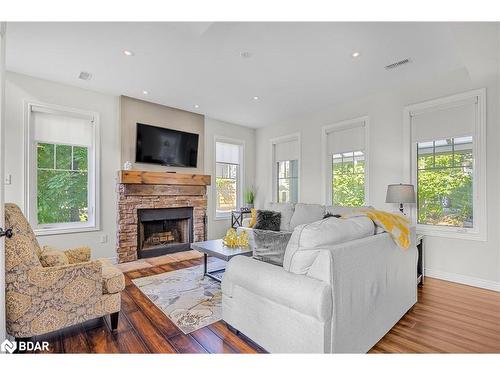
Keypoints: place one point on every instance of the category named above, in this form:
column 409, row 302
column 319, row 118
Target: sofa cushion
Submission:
column 270, row 246
column 286, row 210
column 306, row 239
column 113, row 280
column 306, row 213
column 268, row 220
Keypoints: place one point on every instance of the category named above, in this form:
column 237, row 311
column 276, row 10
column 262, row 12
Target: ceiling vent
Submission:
column 397, row 64
column 86, row 76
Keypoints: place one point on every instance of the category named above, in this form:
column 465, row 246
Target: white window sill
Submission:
column 459, row 233
column 65, row 230
column 222, row 217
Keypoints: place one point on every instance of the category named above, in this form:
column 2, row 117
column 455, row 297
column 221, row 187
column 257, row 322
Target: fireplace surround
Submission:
column 172, row 209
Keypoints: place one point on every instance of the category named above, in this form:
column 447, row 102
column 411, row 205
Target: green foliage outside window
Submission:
column 62, row 182
column 348, row 180
column 445, row 186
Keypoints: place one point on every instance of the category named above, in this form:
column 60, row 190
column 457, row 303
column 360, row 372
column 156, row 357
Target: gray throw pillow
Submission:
column 268, row 220
column 270, row 246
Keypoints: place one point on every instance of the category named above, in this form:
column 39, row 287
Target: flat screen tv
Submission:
column 166, row 146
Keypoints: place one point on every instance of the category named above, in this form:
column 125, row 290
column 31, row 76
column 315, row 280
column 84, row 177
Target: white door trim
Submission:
column 3, row 29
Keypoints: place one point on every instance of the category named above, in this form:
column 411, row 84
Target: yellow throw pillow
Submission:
column 253, row 217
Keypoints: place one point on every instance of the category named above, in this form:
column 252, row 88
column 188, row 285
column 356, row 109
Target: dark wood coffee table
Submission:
column 216, row 248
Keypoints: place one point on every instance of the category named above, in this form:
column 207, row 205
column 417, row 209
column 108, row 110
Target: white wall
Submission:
column 215, row 128
column 19, row 88
column 472, row 261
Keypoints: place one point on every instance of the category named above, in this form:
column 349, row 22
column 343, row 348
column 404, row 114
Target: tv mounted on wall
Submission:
column 166, row 146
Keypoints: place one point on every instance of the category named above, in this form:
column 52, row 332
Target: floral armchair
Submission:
column 47, row 289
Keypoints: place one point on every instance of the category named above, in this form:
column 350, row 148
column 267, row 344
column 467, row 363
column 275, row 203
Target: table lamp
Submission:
column 400, row 193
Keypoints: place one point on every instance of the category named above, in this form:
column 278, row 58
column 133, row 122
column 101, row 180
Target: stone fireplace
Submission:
column 159, row 213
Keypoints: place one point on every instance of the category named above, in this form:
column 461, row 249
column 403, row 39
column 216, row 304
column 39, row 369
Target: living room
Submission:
column 250, row 187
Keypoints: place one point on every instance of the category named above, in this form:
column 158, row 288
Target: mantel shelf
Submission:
column 162, row 178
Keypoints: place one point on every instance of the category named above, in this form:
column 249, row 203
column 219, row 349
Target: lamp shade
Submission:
column 400, row 193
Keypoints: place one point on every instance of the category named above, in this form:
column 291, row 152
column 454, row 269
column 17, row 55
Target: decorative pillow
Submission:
column 78, row 254
column 270, row 246
column 253, row 218
column 327, row 215
column 51, row 257
column 268, row 220
column 286, row 210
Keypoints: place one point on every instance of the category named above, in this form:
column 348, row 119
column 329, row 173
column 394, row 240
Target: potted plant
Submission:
column 249, row 197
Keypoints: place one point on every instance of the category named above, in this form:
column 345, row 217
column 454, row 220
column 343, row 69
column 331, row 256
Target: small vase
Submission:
column 249, row 206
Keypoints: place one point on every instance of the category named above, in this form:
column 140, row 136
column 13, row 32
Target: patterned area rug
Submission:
column 190, row 300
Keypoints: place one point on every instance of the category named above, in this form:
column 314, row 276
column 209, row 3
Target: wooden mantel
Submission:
column 162, row 178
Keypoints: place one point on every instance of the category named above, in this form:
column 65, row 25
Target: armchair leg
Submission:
column 114, row 320
column 232, row 329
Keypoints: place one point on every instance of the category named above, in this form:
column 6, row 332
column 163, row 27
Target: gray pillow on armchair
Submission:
column 270, row 246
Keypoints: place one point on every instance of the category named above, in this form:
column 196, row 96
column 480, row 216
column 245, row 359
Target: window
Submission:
column 286, row 168
column 62, row 169
column 61, row 193
column 348, row 179
column 227, row 178
column 448, row 171
column 288, row 181
column 345, row 156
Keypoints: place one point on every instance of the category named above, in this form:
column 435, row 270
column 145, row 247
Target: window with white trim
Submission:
column 346, row 166
column 286, row 169
column 61, row 167
column 448, row 170
column 227, row 178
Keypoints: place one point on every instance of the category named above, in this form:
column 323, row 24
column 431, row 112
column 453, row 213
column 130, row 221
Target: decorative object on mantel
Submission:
column 249, row 197
column 400, row 193
column 233, row 240
column 127, row 166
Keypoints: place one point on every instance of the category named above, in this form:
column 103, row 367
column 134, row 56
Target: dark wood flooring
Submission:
column 449, row 318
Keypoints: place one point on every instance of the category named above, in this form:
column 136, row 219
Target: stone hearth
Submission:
column 139, row 190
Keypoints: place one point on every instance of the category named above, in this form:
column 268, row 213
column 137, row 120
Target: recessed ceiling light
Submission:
column 128, row 52
column 145, row 92
column 356, row 54
column 196, row 106
column 86, row 76
column 255, row 98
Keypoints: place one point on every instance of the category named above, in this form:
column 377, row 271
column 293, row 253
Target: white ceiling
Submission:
column 294, row 68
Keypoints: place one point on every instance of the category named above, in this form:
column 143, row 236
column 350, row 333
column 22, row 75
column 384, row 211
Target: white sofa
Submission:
column 341, row 289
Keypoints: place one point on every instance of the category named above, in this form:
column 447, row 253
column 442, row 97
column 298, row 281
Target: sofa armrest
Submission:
column 299, row 292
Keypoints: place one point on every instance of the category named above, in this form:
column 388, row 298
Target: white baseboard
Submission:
column 462, row 279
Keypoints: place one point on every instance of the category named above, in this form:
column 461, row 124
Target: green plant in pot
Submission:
column 249, row 197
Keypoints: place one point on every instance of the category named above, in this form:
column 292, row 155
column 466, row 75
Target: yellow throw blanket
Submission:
column 396, row 225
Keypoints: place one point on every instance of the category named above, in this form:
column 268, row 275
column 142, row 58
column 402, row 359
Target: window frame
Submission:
column 274, row 163
column 30, row 172
column 327, row 157
column 240, row 182
column 479, row 230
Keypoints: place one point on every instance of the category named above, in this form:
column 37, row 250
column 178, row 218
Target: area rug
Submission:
column 190, row 300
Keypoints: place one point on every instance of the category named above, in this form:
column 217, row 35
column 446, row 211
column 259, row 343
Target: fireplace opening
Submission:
column 164, row 231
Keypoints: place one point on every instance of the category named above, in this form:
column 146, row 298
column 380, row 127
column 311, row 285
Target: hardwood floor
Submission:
column 448, row 318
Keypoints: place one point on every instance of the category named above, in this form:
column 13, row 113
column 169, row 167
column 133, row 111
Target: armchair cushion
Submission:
column 113, row 280
column 51, row 257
